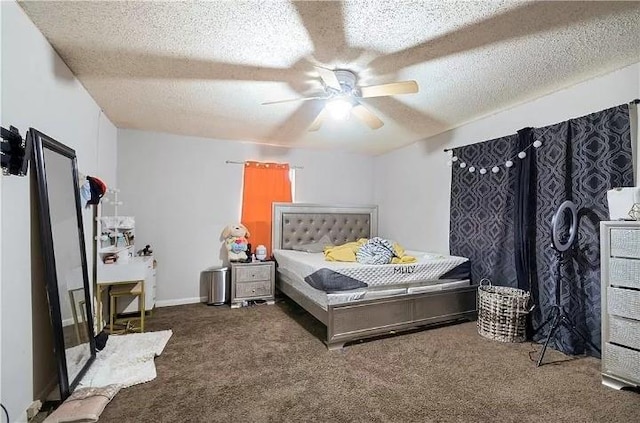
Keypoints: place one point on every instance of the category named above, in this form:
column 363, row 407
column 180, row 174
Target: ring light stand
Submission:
column 557, row 316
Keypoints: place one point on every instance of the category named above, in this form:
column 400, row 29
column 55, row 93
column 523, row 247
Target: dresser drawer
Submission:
column 624, row 272
column 621, row 361
column 624, row 332
column 624, row 302
column 625, row 242
column 253, row 289
column 254, row 272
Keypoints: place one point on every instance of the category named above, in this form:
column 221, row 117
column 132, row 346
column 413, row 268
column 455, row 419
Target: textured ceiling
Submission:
column 205, row 68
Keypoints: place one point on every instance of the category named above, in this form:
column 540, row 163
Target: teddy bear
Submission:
column 235, row 239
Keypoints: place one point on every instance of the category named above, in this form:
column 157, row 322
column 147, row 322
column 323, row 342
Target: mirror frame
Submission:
column 41, row 142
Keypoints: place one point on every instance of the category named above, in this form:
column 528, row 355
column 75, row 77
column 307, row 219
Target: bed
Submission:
column 390, row 303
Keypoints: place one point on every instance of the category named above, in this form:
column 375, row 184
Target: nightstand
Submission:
column 252, row 281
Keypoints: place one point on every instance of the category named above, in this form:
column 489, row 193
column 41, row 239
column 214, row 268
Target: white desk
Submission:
column 137, row 269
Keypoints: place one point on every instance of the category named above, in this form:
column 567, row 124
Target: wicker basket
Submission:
column 502, row 312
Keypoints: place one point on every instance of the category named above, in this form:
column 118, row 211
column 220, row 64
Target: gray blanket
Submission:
column 329, row 281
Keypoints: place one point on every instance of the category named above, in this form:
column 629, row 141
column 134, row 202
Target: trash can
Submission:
column 218, row 281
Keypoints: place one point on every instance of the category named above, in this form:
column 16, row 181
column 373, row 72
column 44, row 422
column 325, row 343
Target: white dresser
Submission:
column 620, row 291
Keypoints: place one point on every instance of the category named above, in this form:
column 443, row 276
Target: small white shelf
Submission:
column 113, row 249
column 120, row 231
column 120, row 223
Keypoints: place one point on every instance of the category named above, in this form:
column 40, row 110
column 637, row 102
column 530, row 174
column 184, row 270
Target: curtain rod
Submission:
column 636, row 101
column 235, row 162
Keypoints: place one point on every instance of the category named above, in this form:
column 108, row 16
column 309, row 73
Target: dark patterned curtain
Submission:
column 580, row 160
column 502, row 221
column 482, row 210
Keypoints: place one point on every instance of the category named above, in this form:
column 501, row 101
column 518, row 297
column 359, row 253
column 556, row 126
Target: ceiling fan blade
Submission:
column 316, row 17
column 297, row 123
column 317, row 122
column 394, row 88
column 329, row 78
column 293, row 99
column 540, row 17
column 367, row 116
column 410, row 118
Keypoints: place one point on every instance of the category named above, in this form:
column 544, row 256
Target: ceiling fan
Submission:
column 342, row 95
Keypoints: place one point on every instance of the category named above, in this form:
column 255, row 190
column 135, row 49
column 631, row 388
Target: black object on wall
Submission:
column 502, row 221
column 14, row 152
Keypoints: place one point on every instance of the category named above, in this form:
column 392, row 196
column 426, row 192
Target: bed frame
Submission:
column 295, row 224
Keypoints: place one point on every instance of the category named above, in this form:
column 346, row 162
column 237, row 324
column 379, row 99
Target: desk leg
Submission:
column 141, row 303
column 99, row 309
column 112, row 307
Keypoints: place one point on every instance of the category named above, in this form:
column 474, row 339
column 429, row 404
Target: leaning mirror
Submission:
column 65, row 262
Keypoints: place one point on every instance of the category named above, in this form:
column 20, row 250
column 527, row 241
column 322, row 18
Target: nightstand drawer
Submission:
column 621, row 361
column 253, row 289
column 624, row 302
column 624, row 332
column 254, row 272
column 624, row 272
column 625, row 243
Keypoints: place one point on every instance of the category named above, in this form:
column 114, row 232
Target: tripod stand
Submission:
column 557, row 316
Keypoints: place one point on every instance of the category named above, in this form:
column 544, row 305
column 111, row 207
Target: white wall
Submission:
column 39, row 91
column 412, row 185
column 183, row 194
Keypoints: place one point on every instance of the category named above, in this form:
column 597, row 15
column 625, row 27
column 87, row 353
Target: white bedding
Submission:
column 296, row 265
column 320, row 297
column 428, row 267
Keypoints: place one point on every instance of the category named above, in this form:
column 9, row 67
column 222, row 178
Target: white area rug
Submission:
column 126, row 360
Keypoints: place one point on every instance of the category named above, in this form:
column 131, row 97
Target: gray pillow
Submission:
column 329, row 281
column 314, row 247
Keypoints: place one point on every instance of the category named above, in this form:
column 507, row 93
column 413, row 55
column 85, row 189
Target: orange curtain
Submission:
column 264, row 184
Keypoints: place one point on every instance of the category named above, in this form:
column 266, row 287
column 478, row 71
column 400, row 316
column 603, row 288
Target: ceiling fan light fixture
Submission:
column 342, row 96
column 339, row 108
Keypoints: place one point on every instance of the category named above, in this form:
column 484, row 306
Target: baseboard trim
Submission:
column 181, row 301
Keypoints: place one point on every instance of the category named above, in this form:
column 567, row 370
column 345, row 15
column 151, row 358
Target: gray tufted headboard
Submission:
column 295, row 224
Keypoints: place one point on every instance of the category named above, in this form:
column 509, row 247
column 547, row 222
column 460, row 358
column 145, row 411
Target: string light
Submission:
column 494, row 169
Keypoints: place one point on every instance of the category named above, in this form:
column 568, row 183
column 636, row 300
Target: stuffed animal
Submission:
column 235, row 239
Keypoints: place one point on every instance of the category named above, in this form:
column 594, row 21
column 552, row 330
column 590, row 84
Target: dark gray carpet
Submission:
column 266, row 364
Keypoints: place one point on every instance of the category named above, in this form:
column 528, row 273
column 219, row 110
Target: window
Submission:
column 264, row 184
